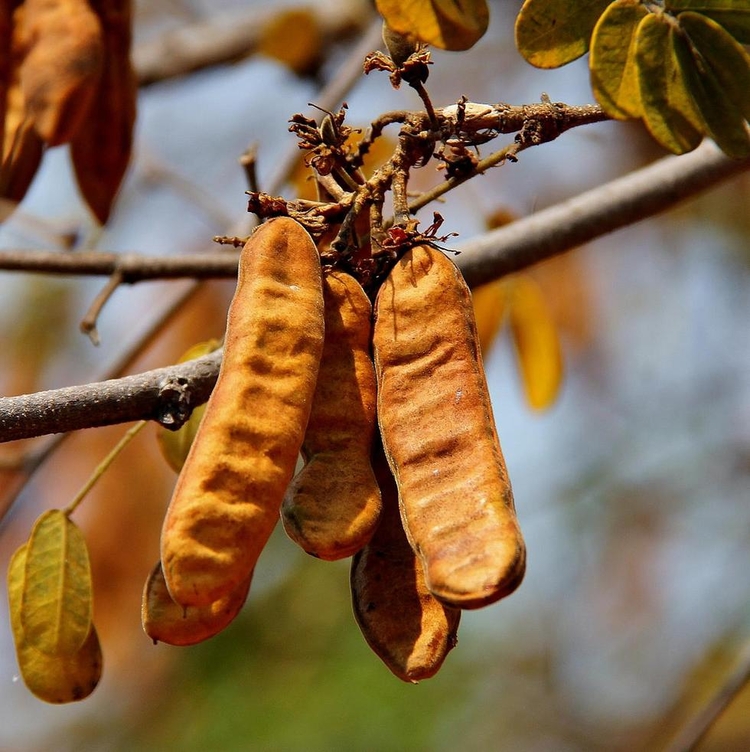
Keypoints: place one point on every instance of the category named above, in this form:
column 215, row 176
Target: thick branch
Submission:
column 167, row 395
column 641, row 194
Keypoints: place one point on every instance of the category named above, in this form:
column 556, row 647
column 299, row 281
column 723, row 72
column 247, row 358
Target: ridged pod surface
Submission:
column 227, row 498
column 439, row 433
column 405, row 625
column 164, row 620
column 332, row 506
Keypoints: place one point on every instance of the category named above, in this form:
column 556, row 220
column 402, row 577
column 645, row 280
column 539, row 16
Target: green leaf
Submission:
column 448, row 24
column 551, row 33
column 57, row 601
column 733, row 15
column 724, row 120
column 54, row 679
column 726, row 57
column 668, row 110
column 614, row 74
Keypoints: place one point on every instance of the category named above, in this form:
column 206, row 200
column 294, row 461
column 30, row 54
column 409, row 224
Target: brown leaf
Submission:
column 61, row 72
column 101, row 147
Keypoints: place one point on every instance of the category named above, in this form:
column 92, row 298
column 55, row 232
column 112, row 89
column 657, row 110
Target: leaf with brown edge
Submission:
column 447, row 24
column 53, row 678
column 165, row 621
column 57, row 602
column 536, row 342
column 101, row 147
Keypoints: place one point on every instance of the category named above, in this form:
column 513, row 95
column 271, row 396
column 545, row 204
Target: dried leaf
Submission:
column 54, row 679
column 101, row 146
column 551, row 33
column 165, row 621
column 175, row 445
column 447, row 24
column 614, row 76
column 57, row 603
column 536, row 342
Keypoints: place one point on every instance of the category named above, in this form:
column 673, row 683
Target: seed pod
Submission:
column 100, row 148
column 227, row 498
column 164, row 621
column 405, row 625
column 439, row 433
column 332, row 506
column 61, row 71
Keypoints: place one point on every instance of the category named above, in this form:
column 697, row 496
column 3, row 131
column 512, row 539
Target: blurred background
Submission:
column 632, row 488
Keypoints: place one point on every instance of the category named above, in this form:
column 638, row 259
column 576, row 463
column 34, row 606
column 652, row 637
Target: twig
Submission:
column 690, row 736
column 249, row 161
column 103, row 466
column 88, row 322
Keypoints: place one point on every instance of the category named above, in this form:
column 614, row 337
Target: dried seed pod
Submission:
column 165, row 621
column 227, row 499
column 405, row 625
column 439, row 433
column 61, row 71
column 100, row 148
column 332, row 506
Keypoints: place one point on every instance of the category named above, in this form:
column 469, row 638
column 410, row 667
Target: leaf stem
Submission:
column 102, row 467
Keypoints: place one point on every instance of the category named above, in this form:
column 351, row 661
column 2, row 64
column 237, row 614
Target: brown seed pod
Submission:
column 227, row 499
column 165, row 621
column 332, row 506
column 100, row 148
column 439, row 434
column 405, row 625
column 61, row 71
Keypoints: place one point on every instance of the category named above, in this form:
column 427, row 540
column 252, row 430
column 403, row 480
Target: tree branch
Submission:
column 168, row 394
column 227, row 37
column 599, row 211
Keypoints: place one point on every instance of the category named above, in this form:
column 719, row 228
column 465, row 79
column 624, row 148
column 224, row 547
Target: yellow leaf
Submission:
column 54, row 679
column 448, row 24
column 293, row 37
column 668, row 109
column 489, row 311
column 165, row 621
column 536, row 342
column 175, row 445
column 733, row 15
column 57, row 602
column 614, row 76
column 551, row 33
